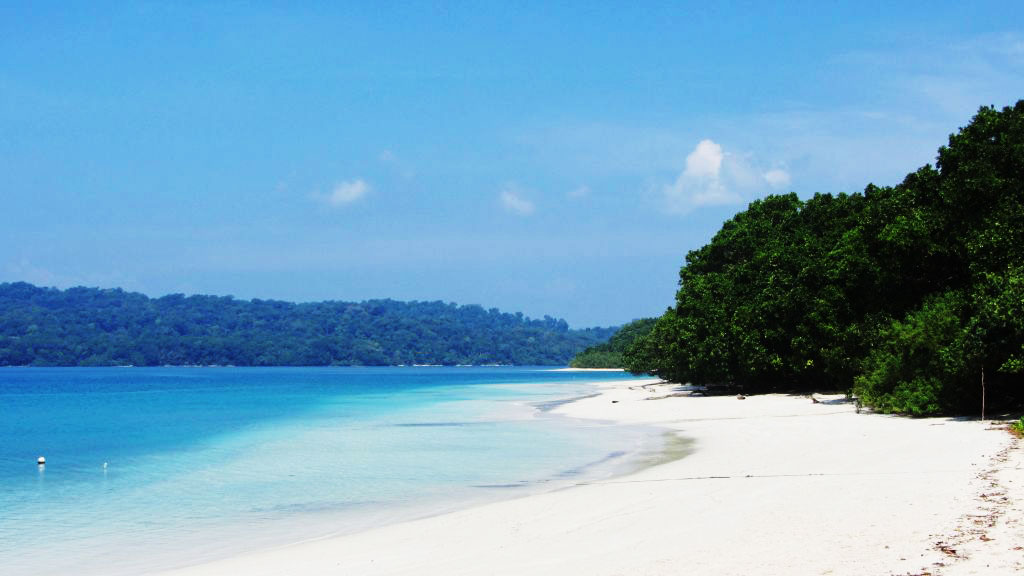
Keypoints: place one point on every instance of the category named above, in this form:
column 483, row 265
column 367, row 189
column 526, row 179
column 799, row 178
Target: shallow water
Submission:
column 152, row 468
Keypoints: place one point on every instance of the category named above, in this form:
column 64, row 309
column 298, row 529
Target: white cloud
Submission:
column 579, row 192
column 513, row 201
column 713, row 177
column 777, row 178
column 347, row 192
column 705, row 161
column 700, row 184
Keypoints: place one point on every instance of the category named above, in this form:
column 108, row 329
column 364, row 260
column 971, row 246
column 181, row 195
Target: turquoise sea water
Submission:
column 153, row 468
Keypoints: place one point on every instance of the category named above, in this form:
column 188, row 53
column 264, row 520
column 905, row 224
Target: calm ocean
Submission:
column 149, row 468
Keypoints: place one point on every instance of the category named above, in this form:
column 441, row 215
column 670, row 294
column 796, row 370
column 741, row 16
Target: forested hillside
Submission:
column 89, row 326
column 609, row 354
column 911, row 296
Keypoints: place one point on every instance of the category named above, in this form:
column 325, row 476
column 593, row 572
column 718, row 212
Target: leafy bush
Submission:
column 922, row 364
column 1018, row 428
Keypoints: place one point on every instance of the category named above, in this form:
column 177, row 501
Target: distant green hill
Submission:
column 609, row 354
column 94, row 327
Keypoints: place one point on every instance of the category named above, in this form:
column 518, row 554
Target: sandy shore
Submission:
column 775, row 485
column 587, row 370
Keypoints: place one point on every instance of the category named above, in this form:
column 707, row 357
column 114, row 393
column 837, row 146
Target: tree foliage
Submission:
column 903, row 293
column 88, row 326
column 609, row 354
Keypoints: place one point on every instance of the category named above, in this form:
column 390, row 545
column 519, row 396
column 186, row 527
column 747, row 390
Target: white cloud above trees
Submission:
column 714, row 177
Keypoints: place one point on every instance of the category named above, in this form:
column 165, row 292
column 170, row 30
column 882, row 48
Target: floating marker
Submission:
column 41, row 461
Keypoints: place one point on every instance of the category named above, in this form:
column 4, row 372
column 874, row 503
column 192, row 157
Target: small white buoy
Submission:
column 41, row 461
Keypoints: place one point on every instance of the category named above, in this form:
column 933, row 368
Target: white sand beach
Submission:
column 774, row 485
column 570, row 369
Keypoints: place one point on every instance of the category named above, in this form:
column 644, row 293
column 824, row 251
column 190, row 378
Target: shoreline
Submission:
column 770, row 484
column 571, row 369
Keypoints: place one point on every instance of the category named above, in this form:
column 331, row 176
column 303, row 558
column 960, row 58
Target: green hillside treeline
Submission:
column 93, row 327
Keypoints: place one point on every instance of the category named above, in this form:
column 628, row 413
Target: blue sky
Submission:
column 556, row 160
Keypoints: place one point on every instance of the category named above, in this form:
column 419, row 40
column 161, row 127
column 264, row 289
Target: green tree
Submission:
column 609, row 354
column 907, row 294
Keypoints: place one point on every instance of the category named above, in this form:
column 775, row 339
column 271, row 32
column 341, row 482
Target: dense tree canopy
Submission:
column 907, row 295
column 609, row 354
column 88, row 326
